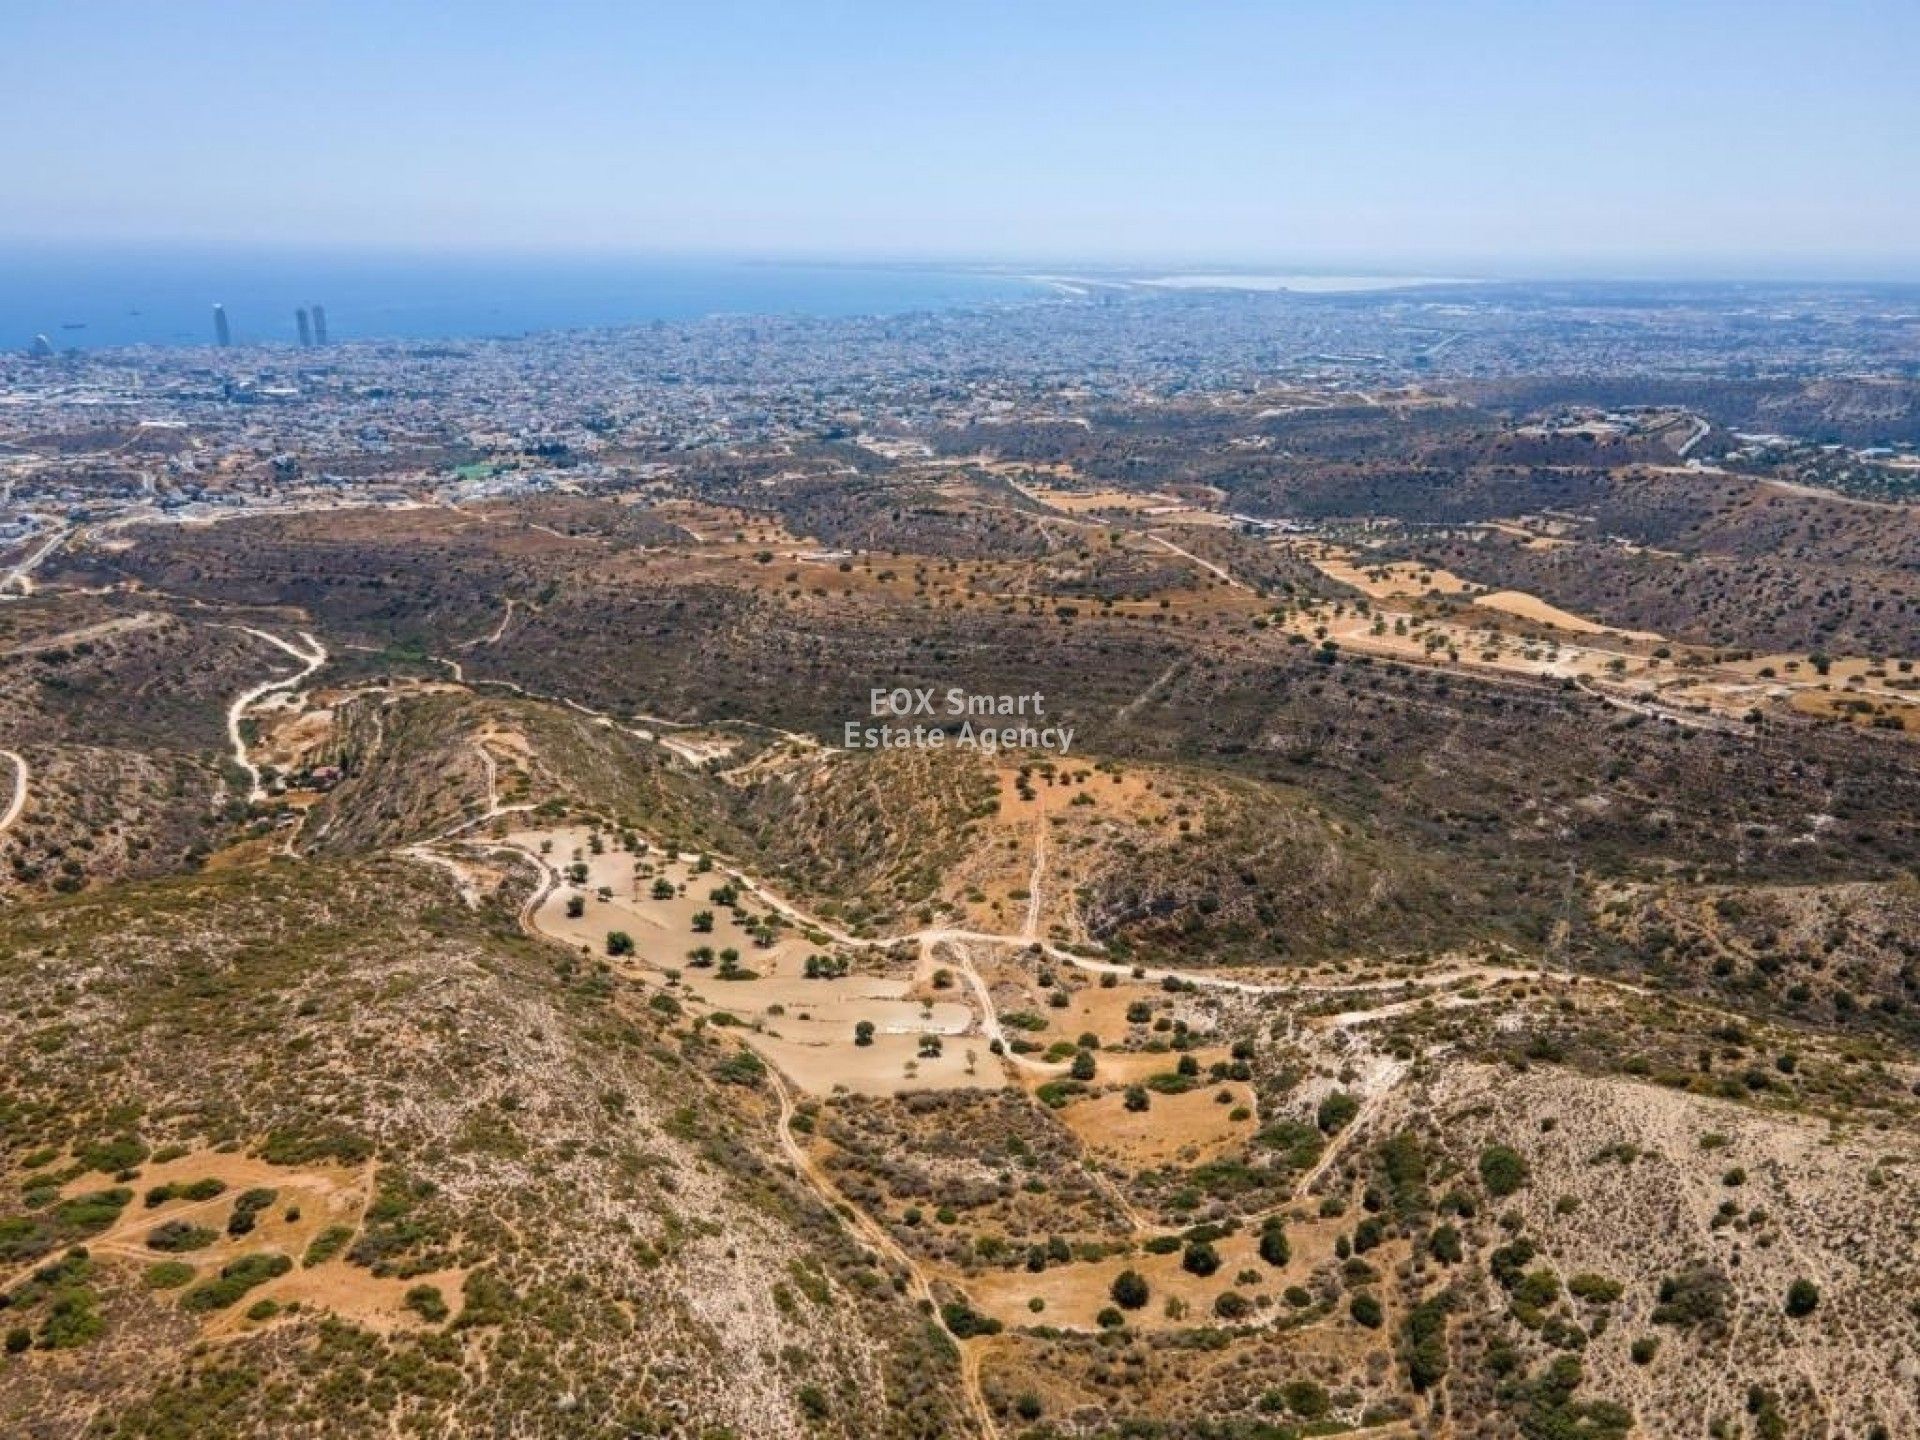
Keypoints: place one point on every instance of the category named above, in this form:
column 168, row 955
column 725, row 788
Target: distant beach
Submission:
column 1301, row 284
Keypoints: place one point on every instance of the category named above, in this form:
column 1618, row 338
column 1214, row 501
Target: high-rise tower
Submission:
column 306, row 330
column 222, row 332
column 319, row 324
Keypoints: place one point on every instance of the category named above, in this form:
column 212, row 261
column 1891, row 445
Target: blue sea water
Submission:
column 97, row 299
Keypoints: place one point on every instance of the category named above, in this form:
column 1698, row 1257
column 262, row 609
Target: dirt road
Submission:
column 21, row 574
column 19, row 800
column 1207, row 565
column 869, row 1230
column 1036, row 878
column 311, row 659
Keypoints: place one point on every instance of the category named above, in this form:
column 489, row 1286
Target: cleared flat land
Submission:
column 805, row 1026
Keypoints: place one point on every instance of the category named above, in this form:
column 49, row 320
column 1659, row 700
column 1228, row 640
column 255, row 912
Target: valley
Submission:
column 1462, row 980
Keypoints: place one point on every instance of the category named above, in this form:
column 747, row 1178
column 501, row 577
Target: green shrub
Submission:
column 428, row 1303
column 1336, row 1111
column 485, row 1300
column 1693, row 1297
column 1510, row 1262
column 327, row 1244
column 1200, row 1258
column 1537, row 1289
column 173, row 1236
column 1300, row 1144
column 1305, row 1399
column 93, row 1211
column 1406, row 1169
column 234, row 1281
column 1232, row 1305
column 123, row 1152
column 167, row 1275
column 1502, row 1170
column 1546, row 1407
column 398, row 1231
column 964, row 1322
column 324, row 1140
column 203, row 1189
column 1424, row 1341
column 71, row 1270
column 28, row 1237
column 1597, row 1289
column 1129, row 1290
column 1274, row 1248
column 72, row 1319
column 1055, row 1094
column 247, row 1208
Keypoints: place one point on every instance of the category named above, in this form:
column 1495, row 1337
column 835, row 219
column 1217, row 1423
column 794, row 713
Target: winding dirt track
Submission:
column 864, row 1226
column 19, row 800
column 870, row 1231
column 875, row 1235
column 311, row 659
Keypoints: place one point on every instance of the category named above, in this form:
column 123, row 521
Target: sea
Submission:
column 93, row 300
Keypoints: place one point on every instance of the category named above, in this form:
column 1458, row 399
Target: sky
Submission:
column 1765, row 138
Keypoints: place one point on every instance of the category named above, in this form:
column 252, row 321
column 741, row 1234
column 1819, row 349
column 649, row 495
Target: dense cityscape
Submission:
column 220, row 429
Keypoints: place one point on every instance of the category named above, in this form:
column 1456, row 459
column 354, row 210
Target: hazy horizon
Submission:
column 1562, row 141
column 1570, row 269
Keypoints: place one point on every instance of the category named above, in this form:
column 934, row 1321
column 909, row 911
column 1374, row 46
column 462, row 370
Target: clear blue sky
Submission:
column 1764, row 137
